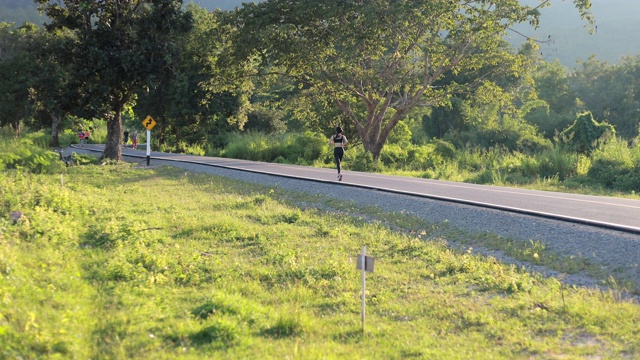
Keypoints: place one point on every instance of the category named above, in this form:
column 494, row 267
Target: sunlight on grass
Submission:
column 158, row 263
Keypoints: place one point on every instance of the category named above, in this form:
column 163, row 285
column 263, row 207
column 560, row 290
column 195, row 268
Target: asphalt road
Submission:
column 608, row 212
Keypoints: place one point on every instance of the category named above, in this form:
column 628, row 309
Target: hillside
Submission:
column 616, row 23
column 19, row 11
column 615, row 19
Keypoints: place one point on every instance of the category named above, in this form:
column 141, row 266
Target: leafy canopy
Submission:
column 121, row 47
column 379, row 59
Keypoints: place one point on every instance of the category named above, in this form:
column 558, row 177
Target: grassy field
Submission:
column 115, row 262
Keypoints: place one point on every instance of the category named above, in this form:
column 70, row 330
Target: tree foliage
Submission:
column 611, row 92
column 54, row 92
column 196, row 100
column 379, row 59
column 15, row 74
column 120, row 47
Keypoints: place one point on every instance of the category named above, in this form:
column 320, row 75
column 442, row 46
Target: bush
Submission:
column 585, row 133
column 400, row 135
column 293, row 147
column 444, row 148
column 363, row 162
column 612, row 161
column 629, row 181
column 418, row 156
column 191, row 149
column 607, row 171
column 556, row 162
column 471, row 159
column 393, row 155
column 24, row 155
column 307, row 146
column 512, row 134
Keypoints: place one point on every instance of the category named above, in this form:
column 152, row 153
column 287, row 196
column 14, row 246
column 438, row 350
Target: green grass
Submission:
column 158, row 263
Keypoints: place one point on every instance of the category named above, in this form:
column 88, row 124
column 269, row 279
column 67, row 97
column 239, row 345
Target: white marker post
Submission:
column 148, row 147
column 364, row 263
column 364, row 282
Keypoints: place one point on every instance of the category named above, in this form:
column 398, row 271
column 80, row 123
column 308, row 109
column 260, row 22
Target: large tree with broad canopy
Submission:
column 120, row 48
column 379, row 59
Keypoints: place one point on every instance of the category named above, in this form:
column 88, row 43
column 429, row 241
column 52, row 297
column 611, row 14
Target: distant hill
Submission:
column 219, row 4
column 20, row 11
column 616, row 36
column 617, row 22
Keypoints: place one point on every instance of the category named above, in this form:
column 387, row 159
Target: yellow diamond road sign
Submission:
column 149, row 123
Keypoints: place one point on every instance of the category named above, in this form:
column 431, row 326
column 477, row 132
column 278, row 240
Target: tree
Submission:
column 53, row 95
column 378, row 59
column 196, row 100
column 611, row 92
column 556, row 105
column 15, row 78
column 120, row 47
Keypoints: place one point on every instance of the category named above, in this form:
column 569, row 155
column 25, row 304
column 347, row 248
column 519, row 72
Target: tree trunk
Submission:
column 17, row 129
column 377, row 126
column 375, row 135
column 374, row 148
column 113, row 147
column 55, row 130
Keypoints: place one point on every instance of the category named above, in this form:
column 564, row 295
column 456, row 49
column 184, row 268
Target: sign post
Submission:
column 149, row 123
column 148, row 147
column 364, row 263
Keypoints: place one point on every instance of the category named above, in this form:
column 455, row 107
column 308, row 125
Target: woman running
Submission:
column 339, row 141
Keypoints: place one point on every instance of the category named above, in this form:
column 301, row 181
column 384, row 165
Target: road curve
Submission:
column 600, row 211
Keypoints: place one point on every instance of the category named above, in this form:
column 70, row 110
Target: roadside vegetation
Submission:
column 611, row 169
column 105, row 260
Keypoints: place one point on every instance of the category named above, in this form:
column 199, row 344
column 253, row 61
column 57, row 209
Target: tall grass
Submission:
column 28, row 155
column 284, row 148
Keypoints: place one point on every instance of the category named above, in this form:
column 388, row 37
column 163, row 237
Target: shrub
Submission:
column 585, row 133
column 512, row 134
column 583, row 163
column 629, row 181
column 611, row 161
column 471, row 159
column 24, row 155
column 292, row 147
column 307, row 146
column 363, row 161
column 607, row 171
column 393, row 155
column 418, row 157
column 191, row 149
column 444, row 148
column 556, row 162
column 401, row 135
